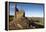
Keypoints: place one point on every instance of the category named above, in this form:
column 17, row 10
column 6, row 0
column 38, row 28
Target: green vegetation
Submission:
column 11, row 18
column 37, row 20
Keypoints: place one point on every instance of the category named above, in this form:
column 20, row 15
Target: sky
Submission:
column 31, row 9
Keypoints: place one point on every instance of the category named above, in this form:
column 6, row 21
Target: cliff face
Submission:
column 20, row 22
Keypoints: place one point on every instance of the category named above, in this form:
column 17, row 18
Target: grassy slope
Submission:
column 37, row 20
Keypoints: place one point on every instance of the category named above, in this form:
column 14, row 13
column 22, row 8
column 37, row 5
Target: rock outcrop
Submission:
column 20, row 21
